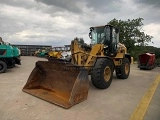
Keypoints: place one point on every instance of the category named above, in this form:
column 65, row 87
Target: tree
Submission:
column 131, row 32
column 80, row 40
column 144, row 39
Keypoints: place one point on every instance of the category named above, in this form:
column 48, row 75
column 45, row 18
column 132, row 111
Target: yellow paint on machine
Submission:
column 140, row 110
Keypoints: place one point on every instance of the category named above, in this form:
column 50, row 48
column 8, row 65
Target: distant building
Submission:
column 29, row 50
column 62, row 48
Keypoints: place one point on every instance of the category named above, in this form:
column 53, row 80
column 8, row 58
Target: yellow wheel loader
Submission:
column 54, row 54
column 67, row 83
column 61, row 53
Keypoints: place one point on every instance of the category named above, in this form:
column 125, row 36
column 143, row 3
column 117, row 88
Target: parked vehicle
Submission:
column 146, row 61
column 66, row 83
column 9, row 56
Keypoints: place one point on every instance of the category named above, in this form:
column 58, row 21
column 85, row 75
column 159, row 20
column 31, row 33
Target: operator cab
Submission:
column 107, row 35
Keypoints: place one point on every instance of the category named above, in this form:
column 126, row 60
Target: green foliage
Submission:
column 133, row 36
column 144, row 49
column 80, row 40
column 131, row 33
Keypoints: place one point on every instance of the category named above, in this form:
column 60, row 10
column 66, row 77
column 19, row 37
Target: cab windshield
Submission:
column 100, row 35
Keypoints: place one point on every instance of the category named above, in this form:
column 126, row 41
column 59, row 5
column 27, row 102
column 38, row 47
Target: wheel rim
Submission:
column 107, row 74
column 126, row 68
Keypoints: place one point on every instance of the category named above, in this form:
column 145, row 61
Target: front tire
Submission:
column 102, row 73
column 3, row 67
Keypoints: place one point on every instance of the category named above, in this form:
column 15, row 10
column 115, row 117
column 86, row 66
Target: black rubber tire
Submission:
column 120, row 72
column 3, row 67
column 97, row 73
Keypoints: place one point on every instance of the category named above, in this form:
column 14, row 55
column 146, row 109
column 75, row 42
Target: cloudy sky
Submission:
column 57, row 22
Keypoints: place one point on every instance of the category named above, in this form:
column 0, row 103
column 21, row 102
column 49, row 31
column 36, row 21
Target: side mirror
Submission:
column 90, row 35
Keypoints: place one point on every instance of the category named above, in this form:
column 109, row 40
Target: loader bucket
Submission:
column 61, row 83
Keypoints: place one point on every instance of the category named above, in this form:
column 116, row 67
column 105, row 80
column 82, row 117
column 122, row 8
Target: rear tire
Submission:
column 123, row 71
column 3, row 67
column 102, row 73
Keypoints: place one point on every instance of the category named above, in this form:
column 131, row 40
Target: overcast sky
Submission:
column 57, row 22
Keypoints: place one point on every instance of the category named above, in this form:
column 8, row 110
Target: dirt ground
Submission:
column 115, row 103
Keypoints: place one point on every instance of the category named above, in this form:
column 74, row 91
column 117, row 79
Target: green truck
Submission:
column 9, row 56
